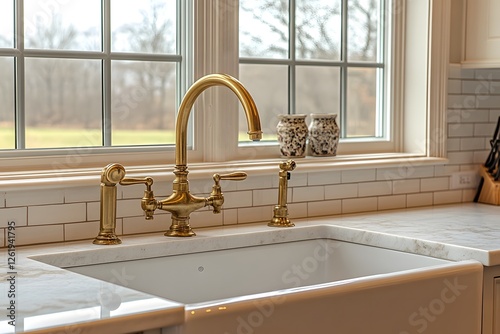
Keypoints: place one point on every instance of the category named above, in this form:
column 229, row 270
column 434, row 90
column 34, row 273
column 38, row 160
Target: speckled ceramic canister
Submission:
column 292, row 135
column 323, row 135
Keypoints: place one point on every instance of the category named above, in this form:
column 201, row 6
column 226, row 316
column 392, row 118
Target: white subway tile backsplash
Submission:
column 34, row 197
column 494, row 115
column 296, row 180
column 265, row 197
column 340, row 191
column 488, row 101
column 84, row 194
column 461, row 101
column 458, row 158
column 468, row 195
column 55, row 214
column 364, row 204
column 420, row 199
column 447, row 197
column 17, row 215
column 323, row 178
column 230, row 216
column 495, row 87
column 364, row 175
column 484, row 130
column 460, row 130
column 137, row 225
column 93, row 211
column 80, row 231
column 471, row 144
column 487, row 74
column 475, row 116
column 434, row 184
column 453, row 144
column 454, row 86
column 306, row 194
column 324, row 208
column 475, row 87
column 204, row 218
column 406, row 186
column 392, row 202
column 378, row 188
column 236, row 199
column 446, row 170
column 255, row 214
column 420, row 171
column 394, row 173
column 256, row 182
column 28, row 235
column 296, row 211
column 2, row 200
column 129, row 208
column 480, row 156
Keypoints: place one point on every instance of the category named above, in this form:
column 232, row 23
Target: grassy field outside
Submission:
column 56, row 138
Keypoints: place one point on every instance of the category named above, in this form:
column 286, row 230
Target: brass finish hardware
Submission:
column 216, row 198
column 110, row 176
column 148, row 201
column 181, row 202
column 280, row 218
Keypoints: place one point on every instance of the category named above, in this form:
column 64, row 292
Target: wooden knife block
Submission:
column 490, row 191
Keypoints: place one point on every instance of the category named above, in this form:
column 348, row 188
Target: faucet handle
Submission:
column 148, row 201
column 235, row 176
column 216, row 198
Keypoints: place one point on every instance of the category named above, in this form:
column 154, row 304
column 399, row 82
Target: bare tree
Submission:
column 153, row 35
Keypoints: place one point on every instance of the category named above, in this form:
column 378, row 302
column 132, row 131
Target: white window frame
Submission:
column 421, row 128
column 418, row 108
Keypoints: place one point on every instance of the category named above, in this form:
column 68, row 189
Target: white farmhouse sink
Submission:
column 208, row 276
column 298, row 286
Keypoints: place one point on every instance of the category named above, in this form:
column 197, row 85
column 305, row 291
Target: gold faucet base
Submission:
column 107, row 239
column 180, row 231
column 281, row 222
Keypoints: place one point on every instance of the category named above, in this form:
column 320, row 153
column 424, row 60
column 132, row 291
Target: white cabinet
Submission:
column 491, row 300
column 496, row 306
column 482, row 34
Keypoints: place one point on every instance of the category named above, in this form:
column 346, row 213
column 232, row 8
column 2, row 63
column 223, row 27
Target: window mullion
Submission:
column 106, row 73
column 343, row 71
column 19, row 75
column 293, row 58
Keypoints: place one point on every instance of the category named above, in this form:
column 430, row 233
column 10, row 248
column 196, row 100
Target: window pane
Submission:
column 143, row 26
column 363, row 33
column 63, row 25
column 7, row 140
column 268, row 85
column 6, row 24
column 264, row 28
column 143, row 103
column 318, row 90
column 318, row 29
column 362, row 103
column 63, row 103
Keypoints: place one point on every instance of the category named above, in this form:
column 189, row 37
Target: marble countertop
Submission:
column 49, row 299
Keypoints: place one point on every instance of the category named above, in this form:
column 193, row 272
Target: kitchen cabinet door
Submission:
column 482, row 34
column 496, row 306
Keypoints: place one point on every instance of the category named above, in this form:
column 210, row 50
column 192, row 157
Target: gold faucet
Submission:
column 280, row 218
column 181, row 202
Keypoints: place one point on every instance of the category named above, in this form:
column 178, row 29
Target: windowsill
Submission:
column 77, row 177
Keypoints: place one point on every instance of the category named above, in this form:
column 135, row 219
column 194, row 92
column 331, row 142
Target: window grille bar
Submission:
column 19, row 76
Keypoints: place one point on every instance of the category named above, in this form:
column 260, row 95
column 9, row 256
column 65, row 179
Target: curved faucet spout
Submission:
column 252, row 115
